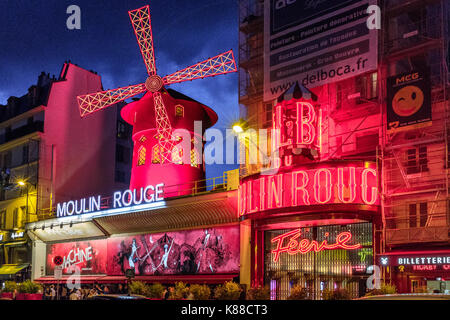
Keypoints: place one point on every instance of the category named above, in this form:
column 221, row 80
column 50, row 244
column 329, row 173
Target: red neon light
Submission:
column 365, row 186
column 275, row 191
column 306, row 131
column 318, row 186
column 304, row 246
column 351, row 185
column 302, row 187
column 296, row 188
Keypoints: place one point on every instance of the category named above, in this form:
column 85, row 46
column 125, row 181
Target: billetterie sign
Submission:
column 121, row 199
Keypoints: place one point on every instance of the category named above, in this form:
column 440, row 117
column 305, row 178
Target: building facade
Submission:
column 357, row 74
column 40, row 134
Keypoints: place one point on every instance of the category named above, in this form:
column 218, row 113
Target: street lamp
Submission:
column 21, row 183
column 240, row 126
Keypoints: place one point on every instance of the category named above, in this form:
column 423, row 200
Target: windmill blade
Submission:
column 96, row 101
column 221, row 64
column 163, row 128
column 140, row 19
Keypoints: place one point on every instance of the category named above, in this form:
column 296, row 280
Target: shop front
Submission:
column 191, row 239
column 15, row 255
column 418, row 271
column 315, row 225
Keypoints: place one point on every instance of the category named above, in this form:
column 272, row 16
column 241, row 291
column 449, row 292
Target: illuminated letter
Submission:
column 364, row 186
column 317, row 185
column 305, row 128
column 262, row 193
column 275, row 190
column 242, row 199
column 135, row 200
column 61, row 210
column 351, row 185
column 296, row 188
column 152, row 196
column 250, row 198
column 95, row 205
column 159, row 190
column 70, row 212
column 127, row 198
column 117, row 196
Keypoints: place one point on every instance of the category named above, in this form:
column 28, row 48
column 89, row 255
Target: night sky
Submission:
column 34, row 38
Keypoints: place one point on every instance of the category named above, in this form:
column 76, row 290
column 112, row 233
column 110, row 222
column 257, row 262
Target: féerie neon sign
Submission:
column 351, row 184
column 304, row 246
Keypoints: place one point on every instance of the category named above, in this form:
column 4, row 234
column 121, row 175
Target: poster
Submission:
column 89, row 256
column 204, row 251
column 316, row 42
column 409, row 101
column 207, row 251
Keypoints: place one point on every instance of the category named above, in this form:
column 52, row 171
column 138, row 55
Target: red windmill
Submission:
column 140, row 19
column 155, row 91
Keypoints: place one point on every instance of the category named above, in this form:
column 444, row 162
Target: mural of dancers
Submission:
column 185, row 252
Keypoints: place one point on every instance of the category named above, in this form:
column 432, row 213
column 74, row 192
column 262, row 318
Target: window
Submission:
column 267, row 116
column 366, row 85
column 179, row 110
column 417, row 160
column 120, row 176
column 122, row 130
column 7, row 159
column 25, row 154
column 122, row 154
column 339, row 96
column 3, row 219
column 368, row 142
column 194, row 158
column 142, row 154
column 17, row 221
column 418, row 214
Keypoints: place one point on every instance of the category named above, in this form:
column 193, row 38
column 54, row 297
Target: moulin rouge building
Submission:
column 365, row 162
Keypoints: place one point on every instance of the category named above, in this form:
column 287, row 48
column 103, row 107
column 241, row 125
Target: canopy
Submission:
column 7, row 269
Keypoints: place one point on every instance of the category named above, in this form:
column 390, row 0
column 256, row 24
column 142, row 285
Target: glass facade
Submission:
column 323, row 270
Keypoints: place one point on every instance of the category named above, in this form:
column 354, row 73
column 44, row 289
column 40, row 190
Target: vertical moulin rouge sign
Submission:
column 206, row 251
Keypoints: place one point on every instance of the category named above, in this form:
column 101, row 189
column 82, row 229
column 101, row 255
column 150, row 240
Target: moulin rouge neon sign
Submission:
column 304, row 246
column 351, row 184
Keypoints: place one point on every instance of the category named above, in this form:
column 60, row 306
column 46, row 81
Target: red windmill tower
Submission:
column 160, row 111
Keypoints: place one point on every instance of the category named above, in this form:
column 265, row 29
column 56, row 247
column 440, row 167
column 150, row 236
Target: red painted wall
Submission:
column 83, row 149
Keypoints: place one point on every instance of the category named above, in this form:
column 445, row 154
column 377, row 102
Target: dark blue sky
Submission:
column 34, row 38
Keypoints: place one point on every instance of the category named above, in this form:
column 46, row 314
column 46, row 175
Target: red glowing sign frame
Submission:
column 332, row 184
column 304, row 246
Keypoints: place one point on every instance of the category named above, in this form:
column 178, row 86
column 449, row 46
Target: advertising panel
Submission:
column 316, row 42
column 206, row 251
column 409, row 101
column 89, row 256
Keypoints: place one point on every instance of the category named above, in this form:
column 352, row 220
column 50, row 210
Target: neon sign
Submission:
column 304, row 187
column 121, row 199
column 304, row 246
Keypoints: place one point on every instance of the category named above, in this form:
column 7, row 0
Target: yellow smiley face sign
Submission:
column 407, row 101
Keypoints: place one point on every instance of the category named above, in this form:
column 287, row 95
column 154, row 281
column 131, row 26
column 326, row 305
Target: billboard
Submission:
column 204, row 251
column 316, row 42
column 409, row 101
column 89, row 256
column 207, row 251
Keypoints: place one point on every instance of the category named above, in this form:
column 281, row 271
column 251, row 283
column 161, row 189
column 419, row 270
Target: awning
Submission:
column 82, row 279
column 7, row 269
column 195, row 278
column 188, row 212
